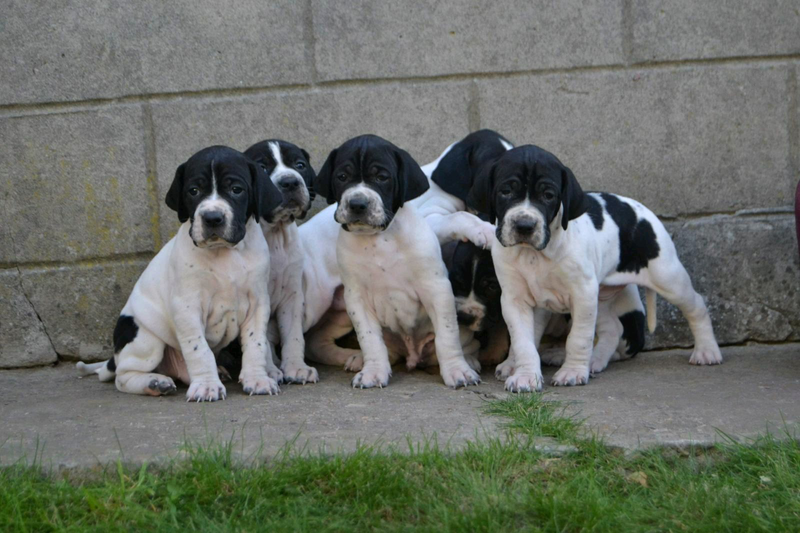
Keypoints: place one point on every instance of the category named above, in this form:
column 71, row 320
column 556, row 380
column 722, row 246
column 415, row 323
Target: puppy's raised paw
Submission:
column 459, row 375
column 706, row 355
column 206, row 390
column 161, row 386
column 482, row 235
column 524, row 379
column 567, row 377
column 259, row 385
column 300, row 373
column 372, row 376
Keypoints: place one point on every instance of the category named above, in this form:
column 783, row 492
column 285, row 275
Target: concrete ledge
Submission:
column 363, row 39
column 79, row 305
column 80, row 50
column 682, row 141
column 75, row 186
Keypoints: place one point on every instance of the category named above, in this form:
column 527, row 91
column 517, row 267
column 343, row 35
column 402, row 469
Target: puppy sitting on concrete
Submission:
column 390, row 260
column 206, row 287
column 564, row 250
column 287, row 167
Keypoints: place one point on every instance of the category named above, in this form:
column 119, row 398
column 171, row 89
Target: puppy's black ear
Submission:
column 323, row 182
column 264, row 195
column 454, row 173
column 481, row 195
column 572, row 197
column 448, row 253
column 412, row 182
column 309, row 176
column 174, row 198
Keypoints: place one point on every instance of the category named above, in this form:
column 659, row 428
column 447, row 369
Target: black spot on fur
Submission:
column 595, row 212
column 124, row 332
column 637, row 240
column 633, row 331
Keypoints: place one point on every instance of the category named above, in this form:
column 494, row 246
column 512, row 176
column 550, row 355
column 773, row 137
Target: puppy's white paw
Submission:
column 482, row 235
column 473, row 362
column 459, row 374
column 598, row 365
column 708, row 354
column 504, row 369
column 525, row 379
column 300, row 373
column 354, row 363
column 206, row 390
column 374, row 375
column 255, row 384
column 275, row 373
column 161, row 386
column 567, row 377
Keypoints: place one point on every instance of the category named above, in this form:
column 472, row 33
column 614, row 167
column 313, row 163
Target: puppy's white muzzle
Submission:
column 212, row 224
column 524, row 224
column 296, row 196
column 361, row 210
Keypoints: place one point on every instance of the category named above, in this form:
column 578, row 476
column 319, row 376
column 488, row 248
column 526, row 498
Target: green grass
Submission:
column 492, row 485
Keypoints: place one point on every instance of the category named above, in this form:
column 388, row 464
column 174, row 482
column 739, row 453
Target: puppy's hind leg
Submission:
column 136, row 362
column 669, row 278
column 321, row 344
column 103, row 369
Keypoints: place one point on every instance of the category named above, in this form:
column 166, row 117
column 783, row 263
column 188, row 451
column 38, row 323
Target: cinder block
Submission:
column 421, row 118
column 363, row 39
column 74, row 186
column 77, row 50
column 23, row 340
column 686, row 140
column 687, row 29
column 747, row 270
column 79, row 305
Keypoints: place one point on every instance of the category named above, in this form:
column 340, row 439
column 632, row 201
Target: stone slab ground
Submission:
column 657, row 398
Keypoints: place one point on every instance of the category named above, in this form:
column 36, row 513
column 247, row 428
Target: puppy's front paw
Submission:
column 275, row 373
column 161, row 386
column 598, row 365
column 708, row 354
column 525, row 379
column 504, row 369
column 206, row 390
column 255, row 384
column 300, row 373
column 567, row 377
column 354, row 363
column 375, row 375
column 482, row 235
column 473, row 362
column 459, row 374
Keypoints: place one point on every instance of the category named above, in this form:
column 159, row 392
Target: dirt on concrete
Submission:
column 656, row 398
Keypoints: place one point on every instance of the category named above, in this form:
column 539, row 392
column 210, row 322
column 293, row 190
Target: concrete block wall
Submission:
column 690, row 107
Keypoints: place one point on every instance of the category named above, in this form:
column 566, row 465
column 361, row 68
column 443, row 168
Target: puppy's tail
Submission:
column 101, row 369
column 650, row 302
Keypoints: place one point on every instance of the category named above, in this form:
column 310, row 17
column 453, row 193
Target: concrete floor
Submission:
column 657, row 398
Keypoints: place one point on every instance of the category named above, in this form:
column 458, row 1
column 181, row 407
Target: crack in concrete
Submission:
column 38, row 316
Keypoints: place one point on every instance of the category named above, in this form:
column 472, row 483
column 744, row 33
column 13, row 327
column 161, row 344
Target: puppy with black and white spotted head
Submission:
column 206, row 287
column 287, row 166
column 564, row 250
column 390, row 260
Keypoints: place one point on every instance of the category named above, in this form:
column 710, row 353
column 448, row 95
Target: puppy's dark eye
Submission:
column 506, row 190
column 382, row 177
column 237, row 190
column 342, row 177
column 299, row 165
column 548, row 196
column 262, row 165
column 194, row 191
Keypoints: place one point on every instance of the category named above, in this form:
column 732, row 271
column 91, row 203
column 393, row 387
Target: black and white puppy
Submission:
column 206, row 287
column 287, row 166
column 564, row 250
column 390, row 260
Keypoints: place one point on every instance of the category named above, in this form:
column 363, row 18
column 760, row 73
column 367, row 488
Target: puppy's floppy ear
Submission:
column 481, row 195
column 323, row 182
column 412, row 182
column 309, row 176
column 572, row 197
column 264, row 195
column 174, row 198
column 454, row 173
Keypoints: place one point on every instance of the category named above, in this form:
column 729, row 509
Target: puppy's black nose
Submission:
column 289, row 184
column 213, row 219
column 358, row 205
column 464, row 319
column 524, row 226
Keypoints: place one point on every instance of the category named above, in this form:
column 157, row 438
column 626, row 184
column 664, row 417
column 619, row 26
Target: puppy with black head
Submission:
column 206, row 287
column 390, row 260
column 287, row 166
column 564, row 250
